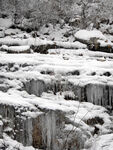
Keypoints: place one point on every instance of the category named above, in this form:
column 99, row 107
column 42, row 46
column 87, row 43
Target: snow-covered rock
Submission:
column 38, row 45
column 95, row 40
column 87, row 35
column 15, row 49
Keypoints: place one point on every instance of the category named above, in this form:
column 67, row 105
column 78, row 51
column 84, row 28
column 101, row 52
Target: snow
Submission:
column 12, row 41
column 52, row 102
column 87, row 35
column 7, row 99
column 104, row 142
column 70, row 45
column 37, row 42
column 12, row 32
column 105, row 44
column 6, row 23
column 13, row 144
column 59, row 66
column 56, row 33
column 86, row 64
column 15, row 48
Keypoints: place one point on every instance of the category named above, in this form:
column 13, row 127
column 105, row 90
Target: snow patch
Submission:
column 87, row 35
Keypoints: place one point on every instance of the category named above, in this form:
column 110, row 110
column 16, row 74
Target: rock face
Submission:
column 44, row 131
column 38, row 131
column 98, row 94
column 55, row 125
column 35, row 87
column 15, row 126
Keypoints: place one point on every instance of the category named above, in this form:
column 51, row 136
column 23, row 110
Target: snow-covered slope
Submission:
column 53, row 101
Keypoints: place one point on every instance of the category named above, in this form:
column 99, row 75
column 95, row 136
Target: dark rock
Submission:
column 96, row 120
column 93, row 73
column 36, row 87
column 43, row 49
column 76, row 72
column 107, row 74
